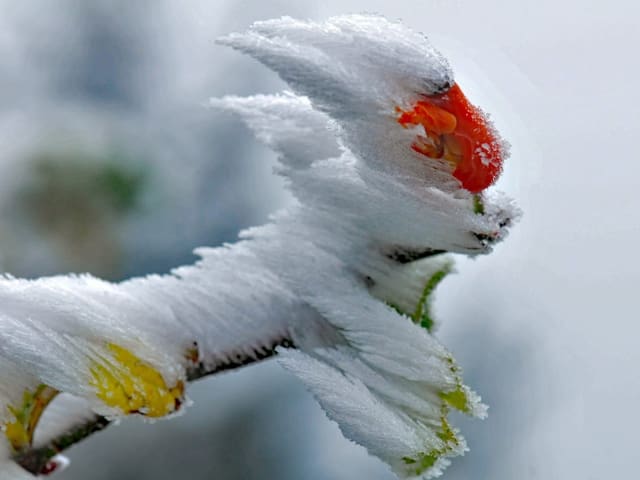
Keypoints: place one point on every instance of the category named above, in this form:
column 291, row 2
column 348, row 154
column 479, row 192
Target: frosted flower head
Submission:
column 391, row 175
column 368, row 73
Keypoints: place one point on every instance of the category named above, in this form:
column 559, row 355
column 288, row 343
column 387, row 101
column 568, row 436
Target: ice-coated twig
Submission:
column 390, row 166
column 37, row 460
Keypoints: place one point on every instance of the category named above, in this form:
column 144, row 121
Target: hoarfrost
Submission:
column 321, row 276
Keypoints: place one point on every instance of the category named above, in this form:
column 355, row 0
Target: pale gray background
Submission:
column 546, row 327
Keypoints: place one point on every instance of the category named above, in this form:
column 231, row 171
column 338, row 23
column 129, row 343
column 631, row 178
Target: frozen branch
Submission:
column 390, row 166
column 38, row 460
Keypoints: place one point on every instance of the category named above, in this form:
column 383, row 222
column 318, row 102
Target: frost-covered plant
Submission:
column 389, row 165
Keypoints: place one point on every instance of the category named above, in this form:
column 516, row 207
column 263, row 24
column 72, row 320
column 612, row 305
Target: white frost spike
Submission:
column 287, row 124
column 330, row 61
column 351, row 404
column 364, row 238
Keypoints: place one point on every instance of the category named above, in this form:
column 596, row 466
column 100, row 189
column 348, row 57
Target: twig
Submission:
column 37, row 460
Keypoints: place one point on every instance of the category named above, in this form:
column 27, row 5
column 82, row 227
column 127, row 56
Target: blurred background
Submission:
column 111, row 163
